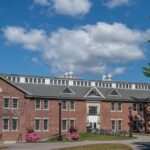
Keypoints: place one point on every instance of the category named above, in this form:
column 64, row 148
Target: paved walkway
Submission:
column 141, row 143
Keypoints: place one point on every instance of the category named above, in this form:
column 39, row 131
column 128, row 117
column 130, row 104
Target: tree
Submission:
column 146, row 70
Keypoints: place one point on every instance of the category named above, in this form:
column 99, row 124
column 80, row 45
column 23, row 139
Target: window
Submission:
column 113, row 124
column 45, row 124
column 14, row 124
column 114, row 93
column 6, row 103
column 94, row 92
column 43, row 80
column 72, row 105
column 64, row 105
column 18, row 79
column 72, row 123
column 67, row 91
column 112, row 106
column 92, row 110
column 31, row 80
column 59, row 82
column 15, row 103
column 39, row 80
column 14, row 79
column 37, row 104
column 35, row 80
column 74, row 82
column 46, row 106
column 26, row 80
column 5, row 124
column 119, row 125
column 55, row 82
column 64, row 125
column 63, row 82
column 119, row 106
column 37, row 124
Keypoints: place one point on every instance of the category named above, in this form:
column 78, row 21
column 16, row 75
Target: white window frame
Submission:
column 17, row 102
column 114, row 107
column 70, row 105
column 118, row 124
column 8, row 103
column 12, row 124
column 3, row 124
column 62, row 105
column 72, row 119
column 35, row 104
column 115, row 124
column 44, row 103
column 118, row 107
column 66, row 124
column 47, row 124
column 39, row 124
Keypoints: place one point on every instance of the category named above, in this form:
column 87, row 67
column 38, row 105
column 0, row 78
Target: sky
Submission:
column 88, row 37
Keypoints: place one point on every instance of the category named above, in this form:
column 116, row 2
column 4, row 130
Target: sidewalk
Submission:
column 141, row 143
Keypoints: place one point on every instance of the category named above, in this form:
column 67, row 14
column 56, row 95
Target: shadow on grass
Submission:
column 142, row 145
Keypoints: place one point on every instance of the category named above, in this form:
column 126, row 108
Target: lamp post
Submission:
column 60, row 135
column 130, row 118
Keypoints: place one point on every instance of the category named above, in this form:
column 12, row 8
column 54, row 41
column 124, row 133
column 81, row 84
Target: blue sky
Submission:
column 88, row 37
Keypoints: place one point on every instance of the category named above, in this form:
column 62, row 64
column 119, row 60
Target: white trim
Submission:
column 43, row 105
column 66, row 119
column 101, row 95
column 70, row 105
column 121, row 107
column 70, row 119
column 47, row 124
column 62, row 105
column 12, row 124
column 3, row 130
column 17, row 102
column 39, row 124
column 8, row 102
column 35, row 104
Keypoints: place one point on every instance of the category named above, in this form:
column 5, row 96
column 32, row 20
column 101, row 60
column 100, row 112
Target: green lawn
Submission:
column 90, row 136
column 100, row 147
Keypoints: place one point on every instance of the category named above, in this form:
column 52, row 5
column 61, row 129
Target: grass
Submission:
column 143, row 134
column 100, row 147
column 90, row 136
column 2, row 147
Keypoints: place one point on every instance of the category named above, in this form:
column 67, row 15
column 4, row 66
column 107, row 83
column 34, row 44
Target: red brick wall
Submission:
column 107, row 115
column 27, row 113
column 10, row 91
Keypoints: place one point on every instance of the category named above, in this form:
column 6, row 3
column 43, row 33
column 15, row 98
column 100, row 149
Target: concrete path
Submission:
column 141, row 143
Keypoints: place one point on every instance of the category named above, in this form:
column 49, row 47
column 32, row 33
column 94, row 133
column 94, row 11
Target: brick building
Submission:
column 32, row 102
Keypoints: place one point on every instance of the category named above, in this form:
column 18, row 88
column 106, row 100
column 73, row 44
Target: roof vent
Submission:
column 107, row 77
column 69, row 74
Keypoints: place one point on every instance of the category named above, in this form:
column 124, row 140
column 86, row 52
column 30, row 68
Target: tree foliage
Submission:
column 146, row 70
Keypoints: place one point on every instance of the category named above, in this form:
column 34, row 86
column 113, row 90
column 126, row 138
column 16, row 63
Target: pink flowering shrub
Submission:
column 73, row 134
column 31, row 136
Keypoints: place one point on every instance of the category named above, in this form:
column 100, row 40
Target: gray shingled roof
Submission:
column 55, row 91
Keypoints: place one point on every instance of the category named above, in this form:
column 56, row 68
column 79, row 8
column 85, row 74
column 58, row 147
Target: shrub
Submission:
column 73, row 134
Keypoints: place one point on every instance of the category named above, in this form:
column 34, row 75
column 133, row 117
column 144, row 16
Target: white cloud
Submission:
column 67, row 7
column 87, row 49
column 33, row 40
column 116, row 3
column 42, row 2
column 118, row 71
column 72, row 7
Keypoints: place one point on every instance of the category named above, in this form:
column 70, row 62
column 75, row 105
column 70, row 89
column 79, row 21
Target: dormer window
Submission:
column 94, row 92
column 67, row 90
column 114, row 93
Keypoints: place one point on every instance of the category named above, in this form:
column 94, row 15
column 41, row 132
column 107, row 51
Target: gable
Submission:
column 67, row 90
column 94, row 92
column 114, row 93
